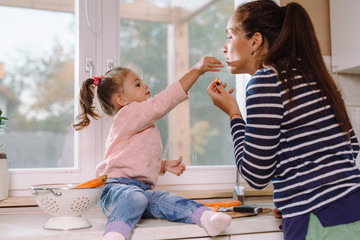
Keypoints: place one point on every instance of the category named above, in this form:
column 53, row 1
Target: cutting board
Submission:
column 239, row 215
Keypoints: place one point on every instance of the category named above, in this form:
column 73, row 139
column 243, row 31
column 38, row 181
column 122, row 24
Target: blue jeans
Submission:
column 125, row 201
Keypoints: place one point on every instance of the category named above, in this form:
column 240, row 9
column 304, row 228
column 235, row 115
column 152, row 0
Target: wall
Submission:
column 350, row 88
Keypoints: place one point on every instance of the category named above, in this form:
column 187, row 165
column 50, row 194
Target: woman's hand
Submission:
column 277, row 214
column 176, row 167
column 223, row 99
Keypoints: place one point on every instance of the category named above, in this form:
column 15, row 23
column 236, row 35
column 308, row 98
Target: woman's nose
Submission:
column 224, row 48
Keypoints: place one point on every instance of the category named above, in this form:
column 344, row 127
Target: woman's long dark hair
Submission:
column 292, row 43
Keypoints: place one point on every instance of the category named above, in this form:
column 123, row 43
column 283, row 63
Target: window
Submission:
column 155, row 45
column 37, row 90
column 211, row 142
column 163, row 38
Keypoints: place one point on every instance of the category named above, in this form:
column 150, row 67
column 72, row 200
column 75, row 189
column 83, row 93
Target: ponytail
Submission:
column 297, row 46
column 106, row 86
column 87, row 93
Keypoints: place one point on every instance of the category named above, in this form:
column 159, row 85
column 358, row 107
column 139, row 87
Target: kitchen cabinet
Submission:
column 345, row 36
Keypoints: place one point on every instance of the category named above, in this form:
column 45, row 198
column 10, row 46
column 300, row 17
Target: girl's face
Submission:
column 134, row 89
column 238, row 49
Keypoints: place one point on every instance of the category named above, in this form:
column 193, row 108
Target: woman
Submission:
column 297, row 133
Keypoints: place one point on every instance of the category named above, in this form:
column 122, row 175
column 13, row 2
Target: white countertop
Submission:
column 27, row 223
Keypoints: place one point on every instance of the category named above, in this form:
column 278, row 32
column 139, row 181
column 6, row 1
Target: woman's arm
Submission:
column 256, row 143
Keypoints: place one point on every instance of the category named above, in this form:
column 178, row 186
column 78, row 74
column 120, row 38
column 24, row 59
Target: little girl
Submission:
column 133, row 157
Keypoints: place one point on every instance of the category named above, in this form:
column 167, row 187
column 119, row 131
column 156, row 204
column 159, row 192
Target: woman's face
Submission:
column 237, row 49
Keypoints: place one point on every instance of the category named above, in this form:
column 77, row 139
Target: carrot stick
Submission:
column 230, row 203
column 97, row 182
column 215, row 209
column 217, row 80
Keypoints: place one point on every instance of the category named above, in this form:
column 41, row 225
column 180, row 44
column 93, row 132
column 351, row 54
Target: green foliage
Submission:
column 2, row 122
column 45, row 87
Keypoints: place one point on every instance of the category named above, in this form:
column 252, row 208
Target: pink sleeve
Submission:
column 137, row 116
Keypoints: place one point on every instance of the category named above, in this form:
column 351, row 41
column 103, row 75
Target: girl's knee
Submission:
column 138, row 197
column 120, row 198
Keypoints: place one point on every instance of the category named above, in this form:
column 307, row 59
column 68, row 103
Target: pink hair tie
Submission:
column 97, row 80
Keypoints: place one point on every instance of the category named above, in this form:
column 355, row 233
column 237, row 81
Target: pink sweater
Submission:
column 133, row 147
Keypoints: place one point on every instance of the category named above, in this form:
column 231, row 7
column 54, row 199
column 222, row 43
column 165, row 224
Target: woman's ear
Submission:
column 257, row 41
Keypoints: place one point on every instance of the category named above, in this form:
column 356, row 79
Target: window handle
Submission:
column 89, row 66
column 109, row 64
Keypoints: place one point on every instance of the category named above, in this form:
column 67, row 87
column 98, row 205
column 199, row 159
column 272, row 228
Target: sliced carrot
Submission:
column 97, row 182
column 215, row 209
column 230, row 203
column 217, row 80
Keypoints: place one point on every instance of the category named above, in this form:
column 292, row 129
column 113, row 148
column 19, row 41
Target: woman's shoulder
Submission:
column 265, row 73
column 264, row 76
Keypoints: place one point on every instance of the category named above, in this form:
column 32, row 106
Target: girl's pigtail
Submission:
column 87, row 93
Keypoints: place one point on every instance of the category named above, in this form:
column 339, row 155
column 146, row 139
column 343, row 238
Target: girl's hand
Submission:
column 176, row 167
column 223, row 99
column 207, row 64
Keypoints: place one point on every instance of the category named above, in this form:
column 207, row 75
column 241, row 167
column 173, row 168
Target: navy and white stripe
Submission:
column 297, row 145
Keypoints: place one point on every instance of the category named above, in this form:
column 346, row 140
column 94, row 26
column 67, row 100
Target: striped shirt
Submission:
column 297, row 145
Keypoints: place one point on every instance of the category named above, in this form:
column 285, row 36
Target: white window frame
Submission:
column 98, row 43
column 98, row 38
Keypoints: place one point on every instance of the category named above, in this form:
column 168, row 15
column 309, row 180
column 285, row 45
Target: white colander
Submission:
column 66, row 204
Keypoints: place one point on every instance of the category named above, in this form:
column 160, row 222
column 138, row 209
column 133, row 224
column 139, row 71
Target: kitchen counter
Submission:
column 27, row 223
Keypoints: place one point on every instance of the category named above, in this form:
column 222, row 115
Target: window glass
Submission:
column 143, row 48
column 210, row 129
column 37, row 86
column 144, row 44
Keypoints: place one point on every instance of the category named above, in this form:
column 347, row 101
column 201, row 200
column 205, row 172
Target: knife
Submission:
column 242, row 209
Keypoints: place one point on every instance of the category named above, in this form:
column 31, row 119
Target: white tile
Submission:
column 350, row 88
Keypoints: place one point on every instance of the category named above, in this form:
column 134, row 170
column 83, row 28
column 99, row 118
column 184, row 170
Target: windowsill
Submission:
column 27, row 223
column 24, row 201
